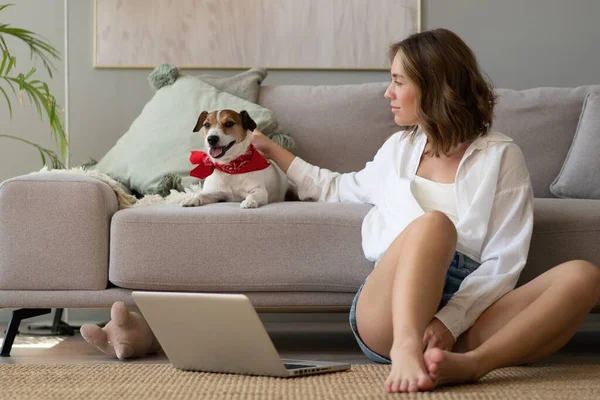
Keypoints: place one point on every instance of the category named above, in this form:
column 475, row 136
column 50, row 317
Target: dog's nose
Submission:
column 212, row 140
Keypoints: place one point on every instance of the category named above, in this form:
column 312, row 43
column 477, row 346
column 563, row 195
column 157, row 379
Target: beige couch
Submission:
column 64, row 244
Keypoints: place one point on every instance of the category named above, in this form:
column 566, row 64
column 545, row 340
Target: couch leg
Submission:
column 13, row 326
column 59, row 327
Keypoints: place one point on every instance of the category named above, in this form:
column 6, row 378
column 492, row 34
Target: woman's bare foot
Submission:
column 446, row 368
column 408, row 373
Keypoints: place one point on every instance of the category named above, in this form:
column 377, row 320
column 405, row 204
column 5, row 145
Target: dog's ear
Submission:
column 247, row 122
column 201, row 120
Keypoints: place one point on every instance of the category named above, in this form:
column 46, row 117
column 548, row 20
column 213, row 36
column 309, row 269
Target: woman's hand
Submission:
column 437, row 335
column 271, row 150
column 262, row 143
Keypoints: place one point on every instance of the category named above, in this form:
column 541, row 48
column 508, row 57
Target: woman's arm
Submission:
column 320, row 184
column 504, row 250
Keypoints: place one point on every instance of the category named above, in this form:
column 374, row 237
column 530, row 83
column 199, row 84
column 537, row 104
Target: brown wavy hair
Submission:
column 455, row 100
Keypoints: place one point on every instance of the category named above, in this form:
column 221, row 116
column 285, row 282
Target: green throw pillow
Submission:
column 245, row 85
column 153, row 155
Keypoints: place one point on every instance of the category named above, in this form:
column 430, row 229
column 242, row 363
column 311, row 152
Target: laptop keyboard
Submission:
column 297, row 366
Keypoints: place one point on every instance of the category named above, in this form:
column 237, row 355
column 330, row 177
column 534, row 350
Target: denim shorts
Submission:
column 460, row 267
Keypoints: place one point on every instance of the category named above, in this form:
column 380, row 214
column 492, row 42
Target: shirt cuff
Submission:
column 297, row 171
column 453, row 319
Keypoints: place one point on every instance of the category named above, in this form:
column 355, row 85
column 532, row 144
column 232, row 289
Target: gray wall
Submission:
column 523, row 44
column 520, row 44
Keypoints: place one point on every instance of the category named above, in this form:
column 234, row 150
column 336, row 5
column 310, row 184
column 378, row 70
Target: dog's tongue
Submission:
column 215, row 151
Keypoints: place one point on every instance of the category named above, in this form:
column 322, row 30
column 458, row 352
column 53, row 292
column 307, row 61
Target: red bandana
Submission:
column 250, row 161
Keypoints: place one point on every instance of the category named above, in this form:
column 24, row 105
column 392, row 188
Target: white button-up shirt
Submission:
column 494, row 200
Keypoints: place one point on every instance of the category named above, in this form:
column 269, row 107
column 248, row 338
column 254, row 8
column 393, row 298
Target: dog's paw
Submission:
column 191, row 201
column 248, row 203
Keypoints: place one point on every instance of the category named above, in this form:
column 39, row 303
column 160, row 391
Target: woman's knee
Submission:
column 433, row 223
column 435, row 227
column 438, row 222
column 582, row 277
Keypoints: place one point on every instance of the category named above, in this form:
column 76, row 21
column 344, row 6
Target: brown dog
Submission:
column 233, row 170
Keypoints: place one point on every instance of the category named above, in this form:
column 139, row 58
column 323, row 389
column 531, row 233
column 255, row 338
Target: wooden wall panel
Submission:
column 277, row 34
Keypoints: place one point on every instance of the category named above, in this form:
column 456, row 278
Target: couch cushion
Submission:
column 335, row 127
column 564, row 229
column 542, row 121
column 297, row 246
column 291, row 246
column 578, row 177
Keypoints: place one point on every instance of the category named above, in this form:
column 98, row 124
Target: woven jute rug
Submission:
column 162, row 381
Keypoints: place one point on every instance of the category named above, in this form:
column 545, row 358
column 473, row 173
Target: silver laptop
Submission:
column 219, row 333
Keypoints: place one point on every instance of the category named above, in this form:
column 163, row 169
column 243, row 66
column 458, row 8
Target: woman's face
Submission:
column 402, row 93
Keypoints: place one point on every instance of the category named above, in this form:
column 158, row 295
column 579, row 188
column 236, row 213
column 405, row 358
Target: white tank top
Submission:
column 436, row 196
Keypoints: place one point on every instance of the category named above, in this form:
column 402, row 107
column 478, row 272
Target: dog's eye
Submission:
column 206, row 125
column 229, row 124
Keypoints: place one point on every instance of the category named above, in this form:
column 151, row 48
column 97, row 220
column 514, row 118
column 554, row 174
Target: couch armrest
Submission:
column 54, row 232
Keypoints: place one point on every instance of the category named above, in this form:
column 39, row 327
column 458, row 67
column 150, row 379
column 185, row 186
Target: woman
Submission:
column 449, row 231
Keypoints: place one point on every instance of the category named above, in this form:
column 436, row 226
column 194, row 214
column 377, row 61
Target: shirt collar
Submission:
column 487, row 140
column 481, row 142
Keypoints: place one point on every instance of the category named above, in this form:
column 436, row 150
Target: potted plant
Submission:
column 25, row 86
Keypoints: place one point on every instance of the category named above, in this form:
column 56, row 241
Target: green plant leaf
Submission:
column 31, row 72
column 37, row 46
column 3, row 45
column 7, row 101
column 43, row 157
column 45, row 154
column 10, row 84
column 37, row 92
column 12, row 61
column 5, row 57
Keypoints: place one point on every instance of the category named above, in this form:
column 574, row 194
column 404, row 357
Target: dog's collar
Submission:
column 250, row 161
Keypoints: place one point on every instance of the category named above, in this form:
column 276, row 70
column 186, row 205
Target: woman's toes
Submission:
column 433, row 357
column 412, row 385
column 393, row 387
column 425, row 382
column 433, row 376
column 403, row 387
column 432, row 368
